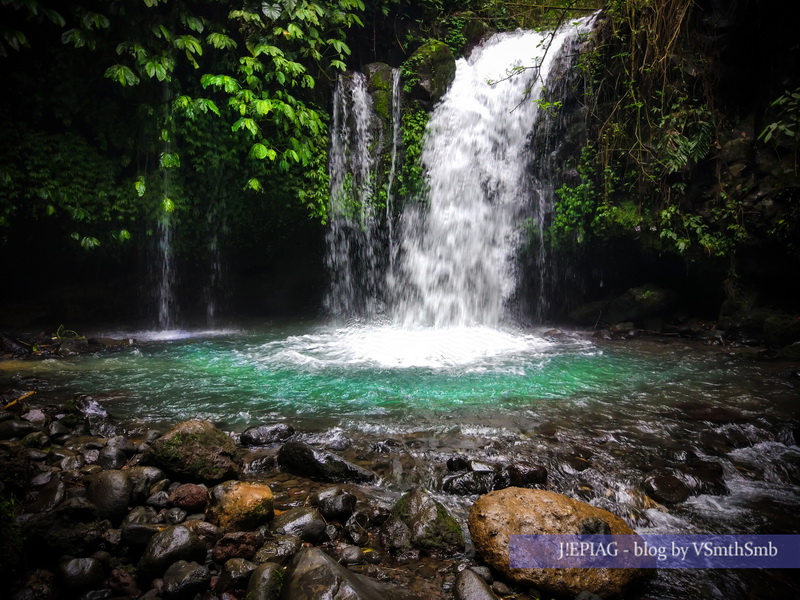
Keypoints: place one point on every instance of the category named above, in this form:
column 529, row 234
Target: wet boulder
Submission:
column 263, row 435
column 239, row 505
column 433, row 70
column 140, row 525
column 97, row 418
column 335, row 503
column 13, row 428
column 665, row 488
column 169, row 546
column 239, row 544
column 111, row 458
column 195, row 451
column 48, row 496
column 497, row 515
column 110, row 492
column 313, row 574
column 278, row 549
column 380, row 88
column 430, row 525
column 471, row 586
column 265, row 582
column 523, row 474
column 303, row 521
column 190, row 497
column 81, row 573
column 235, row 575
column 123, row 583
column 144, row 479
column 72, row 528
column 208, row 533
column 320, row 465
column 470, row 483
column 357, row 528
column 184, row 579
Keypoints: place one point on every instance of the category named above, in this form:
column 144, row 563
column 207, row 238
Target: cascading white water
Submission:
column 352, row 241
column 456, row 268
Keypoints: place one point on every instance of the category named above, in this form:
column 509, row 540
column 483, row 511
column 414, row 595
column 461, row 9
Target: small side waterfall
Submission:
column 166, row 305
column 165, row 272
column 357, row 256
column 559, row 134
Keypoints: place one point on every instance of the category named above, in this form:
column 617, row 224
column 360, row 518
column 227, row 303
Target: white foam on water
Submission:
column 388, row 347
column 168, row 335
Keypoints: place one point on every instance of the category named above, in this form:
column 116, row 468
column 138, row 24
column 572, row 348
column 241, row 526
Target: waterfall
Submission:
column 356, row 246
column 165, row 297
column 559, row 135
column 449, row 259
column 166, row 303
column 457, row 252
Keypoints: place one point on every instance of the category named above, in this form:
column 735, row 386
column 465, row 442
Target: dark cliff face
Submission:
column 758, row 53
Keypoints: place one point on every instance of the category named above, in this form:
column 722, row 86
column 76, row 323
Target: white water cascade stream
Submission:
column 449, row 260
column 457, row 266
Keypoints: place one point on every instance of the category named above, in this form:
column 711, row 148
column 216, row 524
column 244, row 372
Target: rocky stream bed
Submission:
column 95, row 510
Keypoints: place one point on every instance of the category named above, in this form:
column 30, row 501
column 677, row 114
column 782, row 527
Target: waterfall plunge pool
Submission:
column 601, row 416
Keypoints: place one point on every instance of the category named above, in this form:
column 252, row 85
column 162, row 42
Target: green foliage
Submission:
column 411, row 179
column 455, row 26
column 786, row 127
column 649, row 132
column 576, row 211
column 64, row 177
column 191, row 110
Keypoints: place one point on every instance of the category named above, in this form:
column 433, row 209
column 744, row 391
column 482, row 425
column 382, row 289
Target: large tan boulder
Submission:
column 497, row 515
column 240, row 506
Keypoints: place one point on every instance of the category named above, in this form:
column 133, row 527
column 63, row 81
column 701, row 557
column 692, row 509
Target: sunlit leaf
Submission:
column 122, row 75
column 271, row 11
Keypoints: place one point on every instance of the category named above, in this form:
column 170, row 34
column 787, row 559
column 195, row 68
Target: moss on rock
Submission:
column 195, row 451
column 431, row 525
column 429, row 71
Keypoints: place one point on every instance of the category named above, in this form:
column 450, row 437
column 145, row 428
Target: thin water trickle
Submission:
column 165, row 296
column 397, row 142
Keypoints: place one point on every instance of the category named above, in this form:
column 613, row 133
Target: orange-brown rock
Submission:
column 240, row 506
column 497, row 515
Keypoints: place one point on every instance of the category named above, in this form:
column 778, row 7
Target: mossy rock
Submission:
column 431, row 525
column 429, row 72
column 588, row 314
column 639, row 303
column 474, row 30
column 379, row 86
column 781, row 329
column 790, row 352
column 195, row 451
